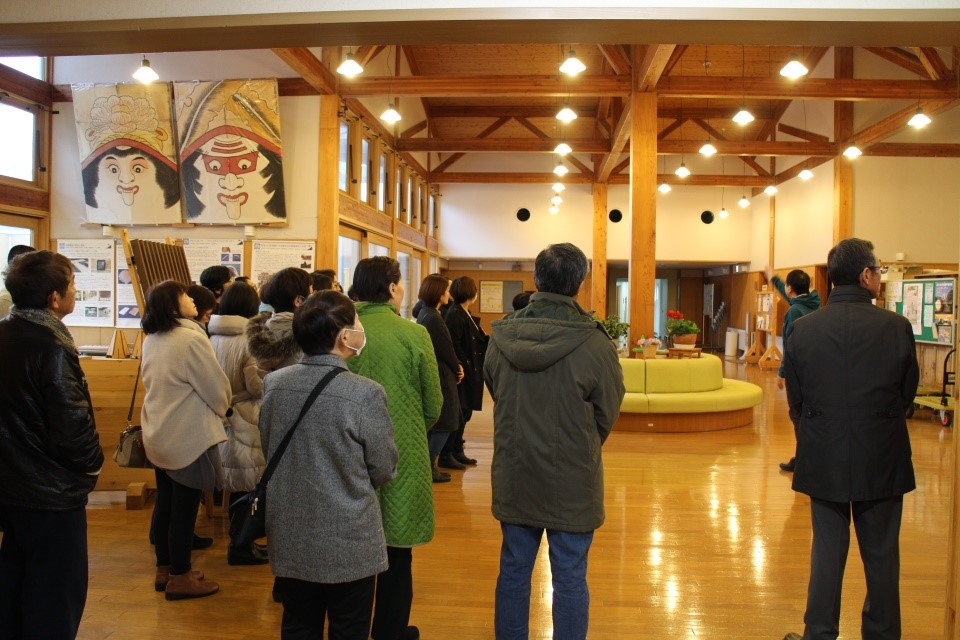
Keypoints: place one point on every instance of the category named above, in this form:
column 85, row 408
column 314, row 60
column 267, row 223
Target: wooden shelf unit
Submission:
column 764, row 352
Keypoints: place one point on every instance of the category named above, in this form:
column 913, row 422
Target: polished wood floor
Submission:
column 703, row 539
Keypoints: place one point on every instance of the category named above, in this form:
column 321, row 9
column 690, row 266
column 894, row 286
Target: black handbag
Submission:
column 250, row 522
column 130, row 452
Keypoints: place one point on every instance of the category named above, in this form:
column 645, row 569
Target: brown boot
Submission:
column 187, row 586
column 163, row 576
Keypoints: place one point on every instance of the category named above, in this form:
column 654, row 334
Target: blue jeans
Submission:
column 435, row 442
column 568, row 566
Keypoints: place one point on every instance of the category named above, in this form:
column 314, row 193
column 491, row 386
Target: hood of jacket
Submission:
column 227, row 325
column 807, row 302
column 548, row 329
column 270, row 339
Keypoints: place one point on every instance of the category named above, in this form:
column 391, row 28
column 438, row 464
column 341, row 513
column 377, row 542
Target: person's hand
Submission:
column 779, row 382
column 459, row 373
column 768, row 273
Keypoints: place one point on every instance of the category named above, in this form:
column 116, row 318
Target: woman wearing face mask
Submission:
column 187, row 397
column 342, row 449
column 399, row 355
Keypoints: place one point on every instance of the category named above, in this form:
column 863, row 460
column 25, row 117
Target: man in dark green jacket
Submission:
column 802, row 301
column 557, row 385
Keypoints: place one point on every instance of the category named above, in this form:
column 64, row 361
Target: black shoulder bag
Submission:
column 250, row 523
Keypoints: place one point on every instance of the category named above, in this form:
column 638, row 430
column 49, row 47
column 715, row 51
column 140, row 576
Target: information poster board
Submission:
column 929, row 305
column 269, row 256
column 491, row 296
column 205, row 253
column 128, row 311
column 94, row 275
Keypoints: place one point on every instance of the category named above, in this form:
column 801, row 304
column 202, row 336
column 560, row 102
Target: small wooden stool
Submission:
column 673, row 352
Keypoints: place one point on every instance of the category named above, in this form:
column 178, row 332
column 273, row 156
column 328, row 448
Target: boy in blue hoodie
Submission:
column 796, row 291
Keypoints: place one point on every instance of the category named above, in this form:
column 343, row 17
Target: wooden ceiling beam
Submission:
column 652, row 63
column 895, row 122
column 851, row 89
column 750, row 148
column 576, row 178
column 465, row 86
column 899, row 57
column 794, row 171
column 912, row 150
column 616, row 57
column 414, row 130
column 932, row 63
column 443, row 166
column 618, row 143
column 543, row 136
column 678, row 52
column 803, row 134
column 302, row 60
column 495, row 145
column 510, row 111
column 365, row 55
column 670, row 128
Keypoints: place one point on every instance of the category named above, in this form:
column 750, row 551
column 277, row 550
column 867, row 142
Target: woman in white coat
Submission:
column 187, row 397
column 241, row 454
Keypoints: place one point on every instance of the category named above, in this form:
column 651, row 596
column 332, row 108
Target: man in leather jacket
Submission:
column 851, row 372
column 50, row 455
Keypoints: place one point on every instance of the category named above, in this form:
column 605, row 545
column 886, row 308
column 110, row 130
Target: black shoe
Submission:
column 440, row 476
column 462, row 458
column 201, row 542
column 246, row 557
column 410, row 633
column 449, row 462
column 788, row 466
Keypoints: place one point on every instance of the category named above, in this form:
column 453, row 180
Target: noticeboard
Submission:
column 929, row 305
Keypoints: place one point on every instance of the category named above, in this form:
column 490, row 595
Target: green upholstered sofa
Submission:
column 688, row 394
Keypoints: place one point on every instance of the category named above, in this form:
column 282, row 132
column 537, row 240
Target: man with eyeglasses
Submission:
column 851, row 372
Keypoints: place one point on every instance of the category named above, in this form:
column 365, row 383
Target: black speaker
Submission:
column 615, row 215
column 706, row 217
column 523, row 214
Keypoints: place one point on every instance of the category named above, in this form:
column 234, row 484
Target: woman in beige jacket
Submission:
column 187, row 397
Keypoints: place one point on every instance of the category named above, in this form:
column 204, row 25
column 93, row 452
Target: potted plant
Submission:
column 683, row 332
column 615, row 329
column 647, row 347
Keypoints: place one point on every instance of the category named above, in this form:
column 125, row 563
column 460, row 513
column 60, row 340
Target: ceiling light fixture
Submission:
column 743, row 116
column 682, row 170
column 562, row 149
column 145, row 72
column 723, row 214
column 560, row 170
column 708, row 149
column 805, row 174
column 349, row 67
column 558, row 187
column 743, row 202
column 852, row 152
column 554, row 210
column 919, row 119
column 664, row 188
column 556, row 201
column 391, row 115
column 572, row 65
column 794, row 69
column 771, row 190
column 566, row 114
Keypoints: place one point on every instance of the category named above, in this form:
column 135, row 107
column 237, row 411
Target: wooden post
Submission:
column 643, row 211
column 328, row 190
column 598, row 272
column 843, row 134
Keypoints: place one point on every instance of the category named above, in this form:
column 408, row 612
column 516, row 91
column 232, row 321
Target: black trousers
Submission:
column 454, row 444
column 43, row 573
column 391, row 613
column 348, row 605
column 174, row 518
column 877, row 523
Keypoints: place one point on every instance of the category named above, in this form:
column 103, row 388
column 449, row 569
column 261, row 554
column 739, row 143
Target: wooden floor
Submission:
column 703, row 539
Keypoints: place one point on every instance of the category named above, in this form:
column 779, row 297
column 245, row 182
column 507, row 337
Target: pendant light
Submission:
column 562, row 149
column 560, row 170
column 349, row 67
column 743, row 201
column 805, row 174
column 554, row 210
column 391, row 115
column 664, row 188
column 708, row 149
column 852, row 152
column 771, row 189
column 145, row 73
column 558, row 187
column 794, row 68
column 682, row 170
column 572, row 65
column 566, row 114
column 743, row 117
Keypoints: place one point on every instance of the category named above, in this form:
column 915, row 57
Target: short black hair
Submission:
column 162, row 307
column 321, row 281
column 31, row 277
column 372, row 279
column 847, row 260
column 463, row 289
column 202, row 298
column 561, row 269
column 215, row 278
column 240, row 299
column 799, row 281
column 284, row 287
column 432, row 289
column 18, row 250
column 318, row 321
column 521, row 300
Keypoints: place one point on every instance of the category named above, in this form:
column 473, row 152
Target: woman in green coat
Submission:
column 399, row 355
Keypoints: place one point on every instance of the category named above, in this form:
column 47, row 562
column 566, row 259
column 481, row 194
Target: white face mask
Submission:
column 357, row 350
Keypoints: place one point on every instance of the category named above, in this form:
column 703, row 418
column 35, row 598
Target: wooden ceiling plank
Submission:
column 899, row 57
column 932, row 63
column 616, row 57
column 847, row 89
column 302, row 60
column 529, row 126
column 443, row 166
column 460, row 86
column 803, row 134
column 678, row 52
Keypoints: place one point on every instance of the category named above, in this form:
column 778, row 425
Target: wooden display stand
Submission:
column 764, row 352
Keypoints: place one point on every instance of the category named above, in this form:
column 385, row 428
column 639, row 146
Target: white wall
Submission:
column 804, row 222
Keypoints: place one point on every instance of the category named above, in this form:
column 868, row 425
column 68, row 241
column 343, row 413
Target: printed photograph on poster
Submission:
column 913, row 306
column 943, row 298
column 128, row 312
column 207, row 253
column 269, row 256
column 94, row 278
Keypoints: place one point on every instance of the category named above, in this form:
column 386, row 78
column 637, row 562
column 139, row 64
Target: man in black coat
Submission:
column 50, row 455
column 851, row 372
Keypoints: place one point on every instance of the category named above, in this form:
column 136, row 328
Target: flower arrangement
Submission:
column 677, row 325
column 647, row 342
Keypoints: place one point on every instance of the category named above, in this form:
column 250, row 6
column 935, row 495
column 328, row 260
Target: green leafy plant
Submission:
column 677, row 325
column 614, row 327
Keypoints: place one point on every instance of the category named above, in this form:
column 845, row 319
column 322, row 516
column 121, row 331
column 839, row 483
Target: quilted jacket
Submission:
column 241, row 454
column 399, row 355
